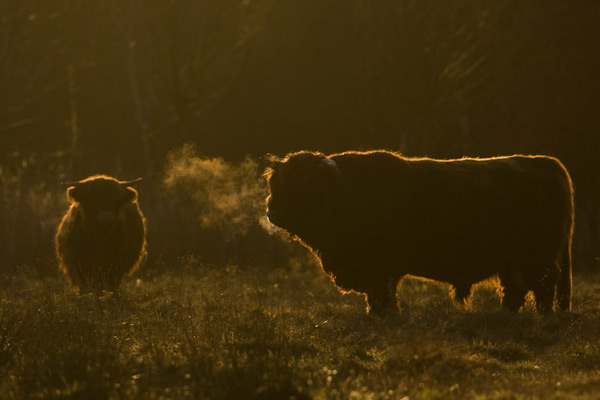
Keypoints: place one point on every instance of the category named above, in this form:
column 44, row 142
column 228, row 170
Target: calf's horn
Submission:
column 129, row 183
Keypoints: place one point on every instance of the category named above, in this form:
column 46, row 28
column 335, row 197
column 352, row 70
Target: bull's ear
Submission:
column 130, row 194
column 328, row 162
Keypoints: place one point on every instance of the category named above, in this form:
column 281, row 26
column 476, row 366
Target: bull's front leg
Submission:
column 351, row 275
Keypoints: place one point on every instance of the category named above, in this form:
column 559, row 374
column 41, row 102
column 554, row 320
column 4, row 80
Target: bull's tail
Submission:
column 564, row 289
column 565, row 281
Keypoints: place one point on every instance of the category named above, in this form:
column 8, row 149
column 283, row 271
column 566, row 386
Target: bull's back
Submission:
column 441, row 217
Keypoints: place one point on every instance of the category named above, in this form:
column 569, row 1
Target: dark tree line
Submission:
column 114, row 86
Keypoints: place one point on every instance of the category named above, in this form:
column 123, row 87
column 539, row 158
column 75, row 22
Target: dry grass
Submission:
column 204, row 333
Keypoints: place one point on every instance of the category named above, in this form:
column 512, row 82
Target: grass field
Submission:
column 233, row 333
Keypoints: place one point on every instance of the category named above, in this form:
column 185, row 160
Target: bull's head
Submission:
column 301, row 186
column 100, row 198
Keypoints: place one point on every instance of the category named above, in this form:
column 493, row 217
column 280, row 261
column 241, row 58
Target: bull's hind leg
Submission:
column 545, row 294
column 514, row 294
column 544, row 290
column 564, row 287
column 513, row 298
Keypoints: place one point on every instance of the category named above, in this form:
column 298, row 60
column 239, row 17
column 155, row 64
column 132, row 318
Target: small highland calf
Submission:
column 102, row 237
column 373, row 217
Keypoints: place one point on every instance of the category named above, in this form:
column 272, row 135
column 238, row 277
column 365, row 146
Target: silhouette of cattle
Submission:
column 102, row 237
column 373, row 217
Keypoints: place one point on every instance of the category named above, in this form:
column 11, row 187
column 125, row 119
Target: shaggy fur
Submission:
column 374, row 217
column 102, row 237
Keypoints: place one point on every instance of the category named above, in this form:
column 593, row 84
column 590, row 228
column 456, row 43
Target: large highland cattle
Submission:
column 373, row 217
column 102, row 238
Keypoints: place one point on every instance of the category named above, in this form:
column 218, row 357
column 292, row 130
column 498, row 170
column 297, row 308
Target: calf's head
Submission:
column 100, row 198
column 301, row 186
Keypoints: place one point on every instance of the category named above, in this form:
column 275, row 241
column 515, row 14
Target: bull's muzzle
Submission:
column 273, row 216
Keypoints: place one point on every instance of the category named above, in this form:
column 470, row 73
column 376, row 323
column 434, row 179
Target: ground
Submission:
column 248, row 333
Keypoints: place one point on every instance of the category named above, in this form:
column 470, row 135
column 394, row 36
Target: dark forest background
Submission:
column 121, row 86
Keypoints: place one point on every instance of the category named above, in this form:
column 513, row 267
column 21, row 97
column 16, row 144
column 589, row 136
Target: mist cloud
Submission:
column 227, row 196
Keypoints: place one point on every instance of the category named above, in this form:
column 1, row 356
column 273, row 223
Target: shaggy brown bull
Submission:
column 374, row 217
column 102, row 237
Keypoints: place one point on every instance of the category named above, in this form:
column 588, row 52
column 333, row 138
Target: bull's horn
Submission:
column 329, row 162
column 69, row 184
column 129, row 183
column 271, row 160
